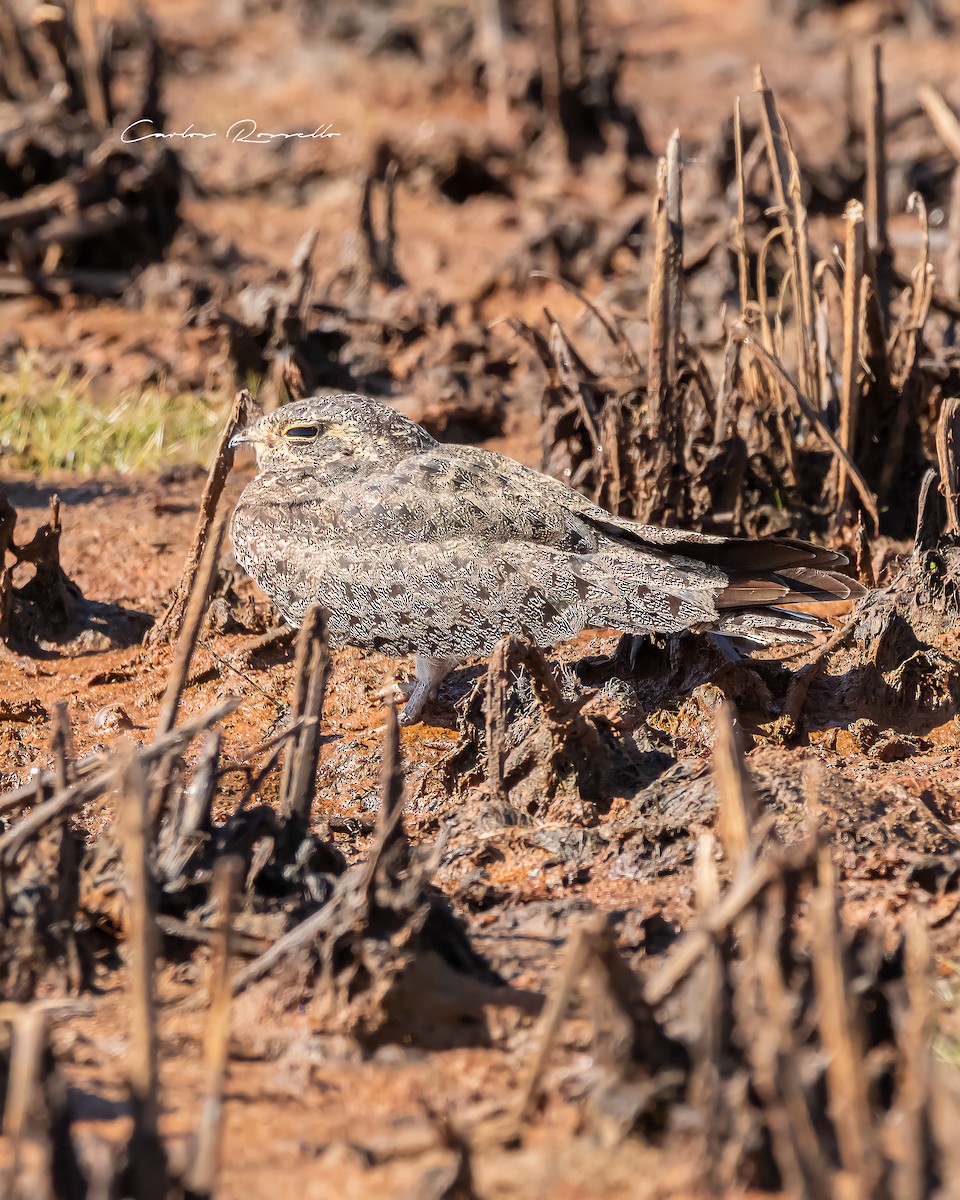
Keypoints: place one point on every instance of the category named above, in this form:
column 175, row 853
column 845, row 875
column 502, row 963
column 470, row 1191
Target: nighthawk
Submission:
column 416, row 547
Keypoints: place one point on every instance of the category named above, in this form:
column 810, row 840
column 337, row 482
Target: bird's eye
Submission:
column 301, row 433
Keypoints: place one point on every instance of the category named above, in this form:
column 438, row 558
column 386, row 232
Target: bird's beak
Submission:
column 244, row 437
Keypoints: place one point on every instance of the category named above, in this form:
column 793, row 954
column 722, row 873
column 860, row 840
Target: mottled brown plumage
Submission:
column 438, row 551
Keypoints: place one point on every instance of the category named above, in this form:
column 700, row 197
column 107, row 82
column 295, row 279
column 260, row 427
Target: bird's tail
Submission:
column 765, row 574
column 753, row 627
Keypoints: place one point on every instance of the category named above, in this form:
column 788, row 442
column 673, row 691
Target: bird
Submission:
column 417, row 547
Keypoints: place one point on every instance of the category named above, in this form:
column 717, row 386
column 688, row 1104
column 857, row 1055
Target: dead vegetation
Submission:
column 83, row 206
column 594, row 928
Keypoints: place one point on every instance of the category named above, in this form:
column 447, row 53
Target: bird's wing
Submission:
column 749, row 571
column 462, row 491
column 458, row 596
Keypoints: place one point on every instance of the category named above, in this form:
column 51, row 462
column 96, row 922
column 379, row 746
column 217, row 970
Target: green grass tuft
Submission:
column 56, row 424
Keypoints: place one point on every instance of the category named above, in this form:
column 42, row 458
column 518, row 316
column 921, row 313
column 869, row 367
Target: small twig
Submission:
column 814, row 417
column 942, row 118
column 877, row 207
column 850, row 374
column 738, row 897
column 202, row 935
column 255, row 780
column 579, row 947
column 223, row 663
column 202, row 1175
column 311, row 671
column 322, row 921
column 274, row 639
column 495, row 714
column 740, row 241
column 738, row 806
column 147, row 1156
column 948, row 457
column 799, row 686
column 390, row 817
column 849, row 1102
column 25, row 1059
column 608, row 320
column 170, row 625
column 189, row 630
column 55, row 1007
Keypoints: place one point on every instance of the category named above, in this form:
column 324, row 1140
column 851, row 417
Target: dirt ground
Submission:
column 307, row 1112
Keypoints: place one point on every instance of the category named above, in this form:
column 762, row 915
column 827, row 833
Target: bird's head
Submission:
column 329, row 429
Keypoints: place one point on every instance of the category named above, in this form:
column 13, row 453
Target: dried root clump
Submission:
column 41, row 608
column 906, row 640
column 545, row 749
column 385, row 959
column 897, row 661
column 84, row 208
column 792, row 1051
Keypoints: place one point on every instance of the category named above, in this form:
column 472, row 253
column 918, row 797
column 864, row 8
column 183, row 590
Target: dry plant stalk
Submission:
column 29, row 1031
column 189, row 630
column 658, row 313
column 147, row 1155
column 61, row 745
column 675, row 263
column 85, row 19
column 942, row 118
column 705, row 1087
column 562, row 60
column 777, row 1065
column 785, row 173
column 388, row 825
column 738, row 806
column 815, row 419
column 738, row 897
column 579, row 948
column 706, row 879
column 659, row 464
column 392, row 798
column 948, row 457
column 286, row 367
column 806, row 320
column 170, row 625
column 494, row 62
column 914, row 1082
column 739, row 237
column 876, row 189
column 666, row 286
column 829, row 400
column 842, row 1041
column 311, row 672
column 495, row 712
column 850, row 373
column 202, row 1176
column 951, row 258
